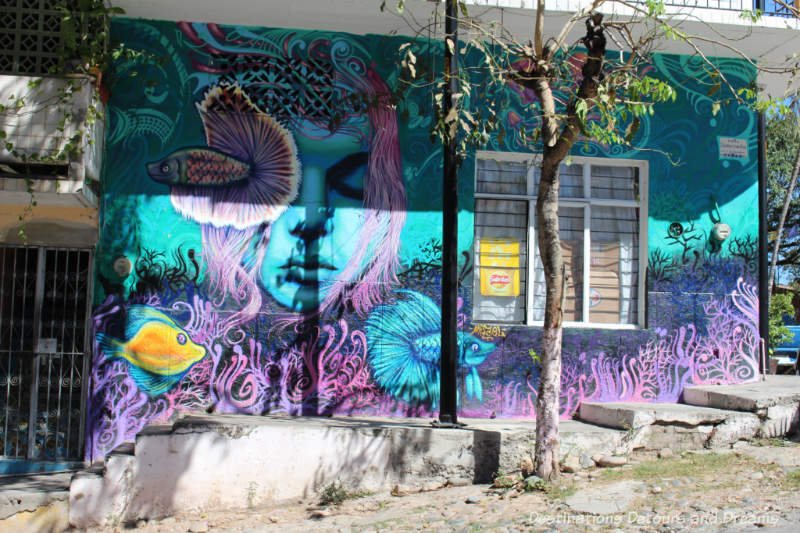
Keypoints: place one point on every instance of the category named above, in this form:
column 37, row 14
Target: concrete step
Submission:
column 675, row 426
column 126, row 448
column 238, row 461
column 752, row 397
column 775, row 400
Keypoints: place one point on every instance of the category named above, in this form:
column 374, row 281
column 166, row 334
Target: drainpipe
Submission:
column 763, row 266
column 448, row 379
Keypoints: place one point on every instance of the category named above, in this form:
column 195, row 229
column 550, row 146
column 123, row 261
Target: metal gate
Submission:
column 45, row 306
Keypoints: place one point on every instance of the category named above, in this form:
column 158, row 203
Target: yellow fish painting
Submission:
column 158, row 351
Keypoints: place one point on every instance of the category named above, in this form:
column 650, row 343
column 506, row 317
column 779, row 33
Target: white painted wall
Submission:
column 33, row 128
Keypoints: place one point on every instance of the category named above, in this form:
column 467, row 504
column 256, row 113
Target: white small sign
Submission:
column 48, row 346
column 732, row 148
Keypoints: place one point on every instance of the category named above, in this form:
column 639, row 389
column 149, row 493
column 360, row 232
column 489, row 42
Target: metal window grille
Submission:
column 602, row 225
column 44, row 351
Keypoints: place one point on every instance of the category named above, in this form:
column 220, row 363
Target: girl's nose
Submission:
column 315, row 225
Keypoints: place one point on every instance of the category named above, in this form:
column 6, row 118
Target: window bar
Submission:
column 11, row 349
column 65, row 284
column 61, row 341
column 59, row 378
column 587, row 242
column 532, row 248
column 587, row 181
column 52, row 265
column 531, row 178
column 37, row 317
column 87, row 350
column 587, row 261
column 46, row 411
column 76, row 296
column 21, row 346
column 530, row 274
column 4, row 254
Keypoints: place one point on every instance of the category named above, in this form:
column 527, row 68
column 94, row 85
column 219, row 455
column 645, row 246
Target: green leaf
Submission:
column 580, row 109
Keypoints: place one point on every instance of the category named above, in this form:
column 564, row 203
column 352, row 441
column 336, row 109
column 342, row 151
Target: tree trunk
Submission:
column 547, row 402
column 556, row 148
column 778, row 233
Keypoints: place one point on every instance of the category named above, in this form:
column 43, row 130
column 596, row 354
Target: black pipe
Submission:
column 448, row 380
column 763, row 264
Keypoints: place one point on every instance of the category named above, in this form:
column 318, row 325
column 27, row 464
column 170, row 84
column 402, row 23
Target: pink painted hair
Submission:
column 368, row 277
column 372, row 271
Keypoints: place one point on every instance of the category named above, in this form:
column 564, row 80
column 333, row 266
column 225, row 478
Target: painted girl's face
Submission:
column 312, row 242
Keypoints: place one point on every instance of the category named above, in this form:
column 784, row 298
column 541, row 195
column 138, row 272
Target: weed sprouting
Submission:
column 335, row 493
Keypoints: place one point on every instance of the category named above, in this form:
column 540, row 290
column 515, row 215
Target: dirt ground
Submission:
column 754, row 485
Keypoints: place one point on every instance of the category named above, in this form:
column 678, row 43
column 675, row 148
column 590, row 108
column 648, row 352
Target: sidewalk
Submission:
column 35, row 503
column 752, row 487
column 208, row 462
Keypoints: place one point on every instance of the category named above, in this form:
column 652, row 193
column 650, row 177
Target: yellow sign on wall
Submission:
column 499, row 260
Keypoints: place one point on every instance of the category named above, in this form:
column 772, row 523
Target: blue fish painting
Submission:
column 404, row 350
column 157, row 350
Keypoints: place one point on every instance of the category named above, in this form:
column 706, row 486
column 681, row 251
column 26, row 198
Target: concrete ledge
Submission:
column 29, row 493
column 654, row 425
column 628, row 415
column 239, row 461
column 753, row 397
column 51, row 518
column 229, row 461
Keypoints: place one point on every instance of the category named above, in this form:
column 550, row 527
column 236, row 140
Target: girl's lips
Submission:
column 307, row 271
column 307, row 263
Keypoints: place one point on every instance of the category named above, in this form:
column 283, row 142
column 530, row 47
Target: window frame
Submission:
column 532, row 161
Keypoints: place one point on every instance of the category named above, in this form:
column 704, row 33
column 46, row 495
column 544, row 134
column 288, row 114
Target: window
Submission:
column 602, row 219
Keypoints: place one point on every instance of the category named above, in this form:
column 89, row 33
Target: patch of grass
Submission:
column 335, row 493
column 793, row 479
column 559, row 491
column 690, row 465
column 533, row 483
column 505, row 481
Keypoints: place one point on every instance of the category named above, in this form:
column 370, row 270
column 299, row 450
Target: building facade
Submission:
column 270, row 237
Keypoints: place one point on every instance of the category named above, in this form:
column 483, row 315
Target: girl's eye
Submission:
column 346, row 176
column 181, row 338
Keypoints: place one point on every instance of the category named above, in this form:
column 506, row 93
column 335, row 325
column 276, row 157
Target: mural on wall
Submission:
column 283, row 216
